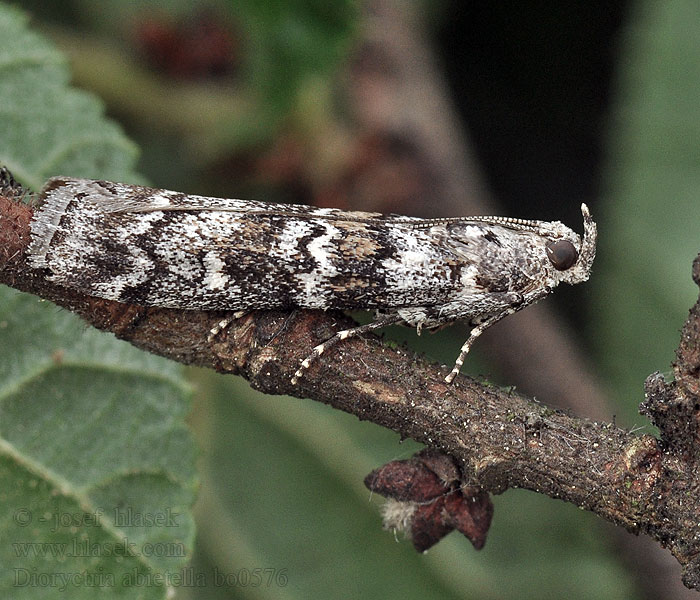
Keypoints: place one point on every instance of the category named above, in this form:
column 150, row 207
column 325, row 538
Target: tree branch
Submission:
column 498, row 439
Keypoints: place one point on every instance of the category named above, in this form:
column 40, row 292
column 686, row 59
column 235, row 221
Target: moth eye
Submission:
column 562, row 254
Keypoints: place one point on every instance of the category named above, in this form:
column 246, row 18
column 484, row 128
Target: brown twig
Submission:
column 498, row 439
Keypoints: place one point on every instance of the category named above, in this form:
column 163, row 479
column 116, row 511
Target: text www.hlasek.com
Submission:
column 85, row 547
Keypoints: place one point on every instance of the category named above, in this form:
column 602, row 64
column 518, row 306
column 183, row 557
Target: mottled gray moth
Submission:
column 154, row 247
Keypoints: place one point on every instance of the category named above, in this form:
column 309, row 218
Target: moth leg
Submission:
column 473, row 335
column 380, row 322
column 517, row 302
column 224, row 323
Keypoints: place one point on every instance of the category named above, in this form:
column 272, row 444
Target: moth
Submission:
column 154, row 247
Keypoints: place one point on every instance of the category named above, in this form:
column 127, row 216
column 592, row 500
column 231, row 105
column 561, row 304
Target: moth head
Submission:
column 570, row 257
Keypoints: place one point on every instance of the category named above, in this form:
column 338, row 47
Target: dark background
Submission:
column 534, row 89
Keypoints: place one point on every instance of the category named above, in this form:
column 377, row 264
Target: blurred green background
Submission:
column 564, row 103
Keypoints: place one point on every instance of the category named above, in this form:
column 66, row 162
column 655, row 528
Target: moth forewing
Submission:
column 161, row 248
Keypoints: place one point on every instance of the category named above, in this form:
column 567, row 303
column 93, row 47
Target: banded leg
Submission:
column 224, row 323
column 517, row 302
column 473, row 335
column 339, row 337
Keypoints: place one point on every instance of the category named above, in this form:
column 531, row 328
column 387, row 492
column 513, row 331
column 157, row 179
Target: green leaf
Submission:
column 96, row 463
column 46, row 127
